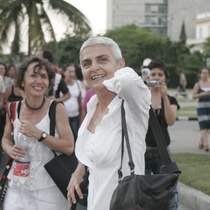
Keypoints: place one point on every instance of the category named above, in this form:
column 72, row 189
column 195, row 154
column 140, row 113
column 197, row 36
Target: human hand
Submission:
column 28, row 129
column 52, row 98
column 74, row 188
column 163, row 89
column 207, row 93
column 16, row 152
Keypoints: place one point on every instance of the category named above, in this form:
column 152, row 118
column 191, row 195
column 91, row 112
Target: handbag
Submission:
column 145, row 192
column 152, row 158
column 61, row 167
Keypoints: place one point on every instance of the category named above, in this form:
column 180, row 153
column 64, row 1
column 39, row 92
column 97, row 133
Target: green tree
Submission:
column 136, row 44
column 13, row 14
column 183, row 36
column 69, row 48
column 206, row 51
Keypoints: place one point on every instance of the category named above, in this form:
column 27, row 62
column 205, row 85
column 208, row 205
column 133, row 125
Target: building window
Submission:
column 154, row 8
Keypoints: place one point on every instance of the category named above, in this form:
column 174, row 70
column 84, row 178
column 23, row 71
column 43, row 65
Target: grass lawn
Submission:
column 187, row 111
column 195, row 170
column 195, row 167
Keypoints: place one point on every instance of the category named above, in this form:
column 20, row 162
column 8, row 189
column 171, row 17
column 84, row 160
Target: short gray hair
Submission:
column 106, row 42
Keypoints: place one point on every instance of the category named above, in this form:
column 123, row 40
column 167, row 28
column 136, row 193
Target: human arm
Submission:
column 169, row 109
column 13, row 150
column 129, row 86
column 74, row 184
column 196, row 95
column 62, row 87
column 63, row 98
column 64, row 143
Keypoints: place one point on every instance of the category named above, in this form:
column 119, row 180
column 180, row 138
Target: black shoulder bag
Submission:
column 61, row 167
column 145, row 192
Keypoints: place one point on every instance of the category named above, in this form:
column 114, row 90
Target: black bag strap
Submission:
column 169, row 166
column 52, row 116
column 158, row 135
column 125, row 133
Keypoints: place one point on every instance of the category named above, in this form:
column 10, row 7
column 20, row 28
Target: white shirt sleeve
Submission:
column 129, row 86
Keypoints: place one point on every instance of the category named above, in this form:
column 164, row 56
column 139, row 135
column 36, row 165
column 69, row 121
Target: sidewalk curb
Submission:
column 187, row 118
column 193, row 199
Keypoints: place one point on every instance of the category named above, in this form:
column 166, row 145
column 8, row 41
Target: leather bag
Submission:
column 152, row 158
column 61, row 167
column 145, row 192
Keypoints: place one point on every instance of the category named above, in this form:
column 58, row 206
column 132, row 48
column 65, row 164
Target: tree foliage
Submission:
column 183, row 36
column 206, row 51
column 69, row 48
column 35, row 13
column 138, row 43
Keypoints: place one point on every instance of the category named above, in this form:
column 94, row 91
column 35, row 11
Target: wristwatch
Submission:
column 43, row 136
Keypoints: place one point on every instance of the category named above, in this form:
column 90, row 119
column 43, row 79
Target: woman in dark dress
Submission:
column 201, row 91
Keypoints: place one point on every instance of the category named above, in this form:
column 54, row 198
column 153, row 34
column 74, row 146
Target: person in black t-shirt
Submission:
column 165, row 107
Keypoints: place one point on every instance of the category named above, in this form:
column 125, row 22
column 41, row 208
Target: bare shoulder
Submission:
column 60, row 106
column 60, row 109
column 196, row 85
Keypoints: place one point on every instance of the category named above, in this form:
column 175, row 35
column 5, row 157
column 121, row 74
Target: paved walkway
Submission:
column 185, row 136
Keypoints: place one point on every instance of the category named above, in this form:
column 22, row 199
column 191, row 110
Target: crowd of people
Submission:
column 87, row 121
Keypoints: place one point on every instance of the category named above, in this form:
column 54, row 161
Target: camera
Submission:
column 152, row 83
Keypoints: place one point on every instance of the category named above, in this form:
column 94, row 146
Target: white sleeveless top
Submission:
column 40, row 154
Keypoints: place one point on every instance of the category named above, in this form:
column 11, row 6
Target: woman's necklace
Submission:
column 33, row 108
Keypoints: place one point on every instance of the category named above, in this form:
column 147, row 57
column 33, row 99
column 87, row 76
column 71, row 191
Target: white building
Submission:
column 163, row 16
column 202, row 29
column 150, row 14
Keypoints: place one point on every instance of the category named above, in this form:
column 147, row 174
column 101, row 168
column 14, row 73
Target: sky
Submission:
column 95, row 11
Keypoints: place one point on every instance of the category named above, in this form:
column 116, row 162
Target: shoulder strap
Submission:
column 11, row 110
column 52, row 116
column 159, row 138
column 169, row 166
